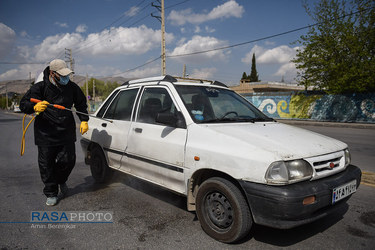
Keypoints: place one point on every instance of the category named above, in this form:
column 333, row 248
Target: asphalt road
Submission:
column 148, row 217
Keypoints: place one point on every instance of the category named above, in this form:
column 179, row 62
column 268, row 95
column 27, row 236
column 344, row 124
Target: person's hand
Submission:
column 84, row 127
column 40, row 107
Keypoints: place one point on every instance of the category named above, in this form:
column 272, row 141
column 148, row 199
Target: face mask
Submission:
column 64, row 80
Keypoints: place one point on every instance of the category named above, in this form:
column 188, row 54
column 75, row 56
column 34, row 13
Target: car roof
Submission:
column 173, row 80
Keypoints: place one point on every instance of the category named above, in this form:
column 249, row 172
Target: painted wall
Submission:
column 338, row 108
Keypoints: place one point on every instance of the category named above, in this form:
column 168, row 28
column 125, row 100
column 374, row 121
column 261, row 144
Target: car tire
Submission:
column 222, row 210
column 100, row 170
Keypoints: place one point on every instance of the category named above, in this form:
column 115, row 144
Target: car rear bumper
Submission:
column 282, row 206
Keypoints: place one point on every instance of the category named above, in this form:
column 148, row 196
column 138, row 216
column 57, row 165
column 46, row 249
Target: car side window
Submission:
column 106, row 104
column 154, row 101
column 122, row 106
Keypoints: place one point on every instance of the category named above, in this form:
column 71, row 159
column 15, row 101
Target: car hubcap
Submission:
column 219, row 210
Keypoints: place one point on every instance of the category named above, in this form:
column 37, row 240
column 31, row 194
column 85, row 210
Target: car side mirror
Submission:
column 176, row 121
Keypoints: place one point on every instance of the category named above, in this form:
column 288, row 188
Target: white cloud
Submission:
column 281, row 56
column 22, row 72
column 135, row 40
column 24, row 34
column 269, row 43
column 10, row 74
column 248, row 57
column 81, row 28
column 181, row 41
column 115, row 41
column 55, row 45
column 226, row 10
column 201, row 43
column 278, row 55
column 203, row 73
column 197, row 29
column 62, row 25
column 132, row 11
column 111, row 43
column 209, row 30
column 7, row 40
column 288, row 70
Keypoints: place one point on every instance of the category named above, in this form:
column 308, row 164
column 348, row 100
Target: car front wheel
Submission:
column 222, row 210
column 100, row 170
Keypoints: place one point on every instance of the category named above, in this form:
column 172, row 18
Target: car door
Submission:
column 114, row 134
column 155, row 152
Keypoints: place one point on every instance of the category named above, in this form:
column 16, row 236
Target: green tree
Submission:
column 337, row 55
column 253, row 77
column 244, row 76
column 102, row 89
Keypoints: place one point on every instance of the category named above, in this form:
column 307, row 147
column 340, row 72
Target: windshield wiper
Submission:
column 262, row 119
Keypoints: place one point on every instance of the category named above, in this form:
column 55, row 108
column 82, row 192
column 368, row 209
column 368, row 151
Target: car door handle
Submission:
column 138, row 130
column 104, row 124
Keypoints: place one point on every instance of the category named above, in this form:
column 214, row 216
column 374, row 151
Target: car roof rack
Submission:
column 166, row 78
column 193, row 79
column 173, row 79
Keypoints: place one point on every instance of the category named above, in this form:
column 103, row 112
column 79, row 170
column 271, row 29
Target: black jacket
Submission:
column 54, row 126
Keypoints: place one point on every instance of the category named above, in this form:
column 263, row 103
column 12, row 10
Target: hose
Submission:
column 24, row 132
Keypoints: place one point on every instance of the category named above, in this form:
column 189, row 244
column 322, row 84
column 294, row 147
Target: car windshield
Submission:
column 217, row 105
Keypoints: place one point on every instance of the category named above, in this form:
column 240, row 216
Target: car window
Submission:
column 153, row 101
column 106, row 104
column 122, row 106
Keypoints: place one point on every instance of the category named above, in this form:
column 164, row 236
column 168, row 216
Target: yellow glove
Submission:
column 84, row 127
column 40, row 107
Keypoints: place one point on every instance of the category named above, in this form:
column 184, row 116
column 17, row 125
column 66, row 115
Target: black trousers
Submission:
column 55, row 165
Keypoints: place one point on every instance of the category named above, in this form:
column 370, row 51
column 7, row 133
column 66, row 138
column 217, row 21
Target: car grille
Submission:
column 329, row 164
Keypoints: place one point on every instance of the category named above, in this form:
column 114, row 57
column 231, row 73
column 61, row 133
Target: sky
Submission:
column 121, row 38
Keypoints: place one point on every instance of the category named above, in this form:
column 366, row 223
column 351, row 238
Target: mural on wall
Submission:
column 342, row 108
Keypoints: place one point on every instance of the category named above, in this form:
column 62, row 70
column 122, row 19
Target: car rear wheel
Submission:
column 100, row 170
column 222, row 210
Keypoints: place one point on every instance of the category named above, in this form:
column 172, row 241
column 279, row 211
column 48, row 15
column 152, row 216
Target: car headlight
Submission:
column 286, row 172
column 347, row 157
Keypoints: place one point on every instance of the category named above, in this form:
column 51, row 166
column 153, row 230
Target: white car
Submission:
column 235, row 165
column 16, row 109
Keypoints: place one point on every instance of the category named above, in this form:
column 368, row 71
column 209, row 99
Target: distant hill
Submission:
column 21, row 86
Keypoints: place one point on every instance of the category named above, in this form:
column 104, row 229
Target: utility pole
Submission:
column 93, row 90
column 6, row 94
column 184, row 71
column 87, row 91
column 69, row 58
column 161, row 19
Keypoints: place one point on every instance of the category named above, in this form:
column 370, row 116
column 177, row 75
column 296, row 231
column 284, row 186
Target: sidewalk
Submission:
column 328, row 124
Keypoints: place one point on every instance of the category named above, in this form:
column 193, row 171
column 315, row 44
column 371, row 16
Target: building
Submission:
column 247, row 87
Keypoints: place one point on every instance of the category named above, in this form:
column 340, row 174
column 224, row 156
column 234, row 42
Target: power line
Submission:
column 224, row 47
column 265, row 38
column 140, row 66
column 91, row 44
column 251, row 41
column 108, row 35
column 124, row 14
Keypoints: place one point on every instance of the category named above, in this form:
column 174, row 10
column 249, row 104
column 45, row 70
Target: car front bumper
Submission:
column 282, row 206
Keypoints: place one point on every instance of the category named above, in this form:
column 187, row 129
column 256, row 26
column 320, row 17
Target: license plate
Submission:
column 343, row 191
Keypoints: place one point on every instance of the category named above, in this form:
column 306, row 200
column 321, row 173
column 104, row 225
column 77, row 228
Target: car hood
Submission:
column 284, row 141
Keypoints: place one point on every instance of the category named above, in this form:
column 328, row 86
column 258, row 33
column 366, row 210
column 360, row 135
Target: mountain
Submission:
column 21, row 86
